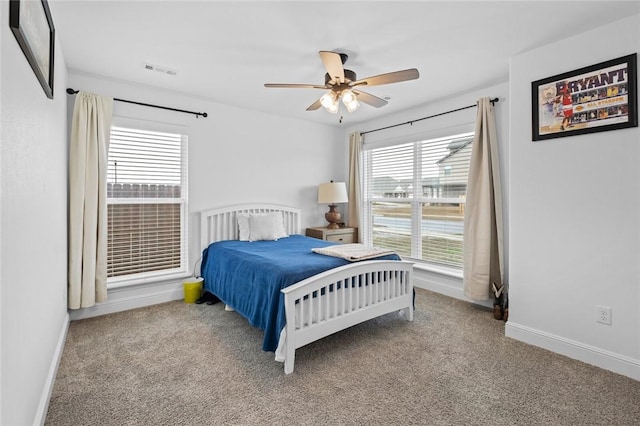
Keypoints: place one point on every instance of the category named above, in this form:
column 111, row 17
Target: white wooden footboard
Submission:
column 342, row 297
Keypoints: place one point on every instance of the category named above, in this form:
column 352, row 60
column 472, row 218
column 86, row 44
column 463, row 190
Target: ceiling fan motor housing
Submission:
column 348, row 76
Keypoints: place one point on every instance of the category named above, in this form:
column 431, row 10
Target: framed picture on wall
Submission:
column 596, row 98
column 32, row 26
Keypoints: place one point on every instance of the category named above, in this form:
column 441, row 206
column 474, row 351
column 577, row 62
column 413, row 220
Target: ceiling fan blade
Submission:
column 314, row 106
column 333, row 63
column 295, row 86
column 391, row 77
column 370, row 99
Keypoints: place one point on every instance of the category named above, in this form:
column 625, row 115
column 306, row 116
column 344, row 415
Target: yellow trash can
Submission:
column 192, row 289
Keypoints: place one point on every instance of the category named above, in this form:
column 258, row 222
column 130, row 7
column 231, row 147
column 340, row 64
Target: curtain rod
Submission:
column 197, row 114
column 493, row 101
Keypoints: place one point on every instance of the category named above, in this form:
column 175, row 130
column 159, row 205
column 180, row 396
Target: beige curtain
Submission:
column 90, row 131
column 483, row 257
column 355, row 191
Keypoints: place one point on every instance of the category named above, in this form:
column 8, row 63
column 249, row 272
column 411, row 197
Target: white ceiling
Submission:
column 226, row 51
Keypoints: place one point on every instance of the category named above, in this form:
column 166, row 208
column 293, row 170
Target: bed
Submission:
column 280, row 285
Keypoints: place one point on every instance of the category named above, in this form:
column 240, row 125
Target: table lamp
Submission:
column 332, row 193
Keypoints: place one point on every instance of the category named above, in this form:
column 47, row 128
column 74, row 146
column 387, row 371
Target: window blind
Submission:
column 414, row 198
column 146, row 202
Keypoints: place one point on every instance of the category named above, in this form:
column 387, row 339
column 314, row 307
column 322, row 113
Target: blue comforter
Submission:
column 248, row 276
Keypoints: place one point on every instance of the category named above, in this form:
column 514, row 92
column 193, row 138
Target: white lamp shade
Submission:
column 328, row 99
column 332, row 193
column 348, row 96
column 349, row 100
column 353, row 105
column 333, row 108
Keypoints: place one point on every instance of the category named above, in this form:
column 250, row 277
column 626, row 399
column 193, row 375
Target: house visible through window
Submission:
column 146, row 202
column 414, row 198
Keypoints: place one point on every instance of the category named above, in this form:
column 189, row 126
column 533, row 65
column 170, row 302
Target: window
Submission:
column 414, row 198
column 146, row 203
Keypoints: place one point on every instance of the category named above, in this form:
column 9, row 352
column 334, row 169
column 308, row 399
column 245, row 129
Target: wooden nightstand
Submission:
column 340, row 235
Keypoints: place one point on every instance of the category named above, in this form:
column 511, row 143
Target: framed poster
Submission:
column 596, row 98
column 31, row 23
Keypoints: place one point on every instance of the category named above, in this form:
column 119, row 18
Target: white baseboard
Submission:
column 582, row 352
column 446, row 285
column 43, row 405
column 135, row 296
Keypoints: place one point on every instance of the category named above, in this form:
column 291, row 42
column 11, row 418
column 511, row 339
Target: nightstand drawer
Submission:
column 341, row 238
column 340, row 235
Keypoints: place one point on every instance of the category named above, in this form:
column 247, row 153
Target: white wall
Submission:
column 575, row 217
column 235, row 156
column 444, row 125
column 33, row 229
column 571, row 246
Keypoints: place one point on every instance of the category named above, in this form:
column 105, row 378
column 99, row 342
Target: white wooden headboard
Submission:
column 220, row 224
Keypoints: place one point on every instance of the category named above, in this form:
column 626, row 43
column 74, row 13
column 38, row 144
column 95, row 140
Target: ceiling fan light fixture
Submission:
column 350, row 100
column 348, row 96
column 333, row 108
column 353, row 105
column 328, row 99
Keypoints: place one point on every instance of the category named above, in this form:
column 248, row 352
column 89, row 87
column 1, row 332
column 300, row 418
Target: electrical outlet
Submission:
column 603, row 315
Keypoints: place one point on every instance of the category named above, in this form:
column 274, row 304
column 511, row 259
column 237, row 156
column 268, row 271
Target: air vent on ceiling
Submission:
column 160, row 69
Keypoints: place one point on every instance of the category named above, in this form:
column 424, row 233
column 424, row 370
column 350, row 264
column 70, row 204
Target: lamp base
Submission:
column 333, row 216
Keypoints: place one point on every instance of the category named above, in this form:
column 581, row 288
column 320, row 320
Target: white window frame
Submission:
column 183, row 270
column 416, row 203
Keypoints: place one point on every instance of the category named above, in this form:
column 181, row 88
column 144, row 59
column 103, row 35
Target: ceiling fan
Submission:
column 343, row 84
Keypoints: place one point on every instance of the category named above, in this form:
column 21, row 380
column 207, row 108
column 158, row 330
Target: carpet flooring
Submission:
column 185, row 364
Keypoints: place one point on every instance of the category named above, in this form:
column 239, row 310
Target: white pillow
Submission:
column 243, row 226
column 266, row 226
